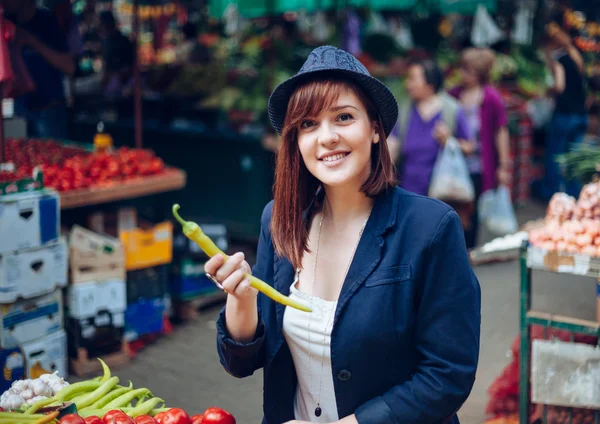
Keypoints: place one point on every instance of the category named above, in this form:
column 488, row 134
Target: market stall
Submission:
column 49, row 399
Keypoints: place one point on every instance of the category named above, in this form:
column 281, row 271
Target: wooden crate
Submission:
column 84, row 366
column 96, row 266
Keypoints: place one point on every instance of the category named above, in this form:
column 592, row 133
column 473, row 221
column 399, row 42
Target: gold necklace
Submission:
column 318, row 410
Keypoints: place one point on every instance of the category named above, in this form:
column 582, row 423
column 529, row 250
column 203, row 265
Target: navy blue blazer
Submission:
column 405, row 341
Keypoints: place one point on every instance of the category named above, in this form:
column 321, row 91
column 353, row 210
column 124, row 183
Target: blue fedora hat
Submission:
column 328, row 60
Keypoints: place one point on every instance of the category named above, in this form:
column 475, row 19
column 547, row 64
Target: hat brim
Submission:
column 379, row 94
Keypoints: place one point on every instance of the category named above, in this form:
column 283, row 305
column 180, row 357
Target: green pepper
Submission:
column 195, row 233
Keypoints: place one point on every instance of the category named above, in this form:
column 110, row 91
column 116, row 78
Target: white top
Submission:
column 315, row 366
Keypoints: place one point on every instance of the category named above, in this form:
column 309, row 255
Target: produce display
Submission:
column 68, row 167
column 51, row 400
column 571, row 225
column 195, row 233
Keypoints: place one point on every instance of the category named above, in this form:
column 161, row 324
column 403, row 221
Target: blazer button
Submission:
column 344, row 375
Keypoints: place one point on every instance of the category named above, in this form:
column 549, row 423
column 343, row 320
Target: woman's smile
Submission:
column 334, row 159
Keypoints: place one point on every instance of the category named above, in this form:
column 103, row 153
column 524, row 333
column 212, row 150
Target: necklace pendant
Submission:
column 318, row 411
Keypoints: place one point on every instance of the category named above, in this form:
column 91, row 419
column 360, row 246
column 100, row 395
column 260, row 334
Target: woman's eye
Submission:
column 306, row 124
column 345, row 117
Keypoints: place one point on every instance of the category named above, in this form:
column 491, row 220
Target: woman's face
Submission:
column 416, row 84
column 336, row 146
column 469, row 76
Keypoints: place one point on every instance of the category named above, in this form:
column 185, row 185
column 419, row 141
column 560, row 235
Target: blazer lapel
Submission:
column 283, row 277
column 369, row 250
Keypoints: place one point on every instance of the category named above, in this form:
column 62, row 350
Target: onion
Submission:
column 589, row 250
column 584, row 240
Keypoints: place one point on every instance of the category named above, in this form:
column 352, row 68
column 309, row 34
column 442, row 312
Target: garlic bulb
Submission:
column 20, row 385
column 35, row 399
column 12, row 402
column 40, row 388
column 27, row 394
column 57, row 386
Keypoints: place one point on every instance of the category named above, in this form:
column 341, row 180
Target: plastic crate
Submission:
column 147, row 283
column 189, row 281
column 145, row 316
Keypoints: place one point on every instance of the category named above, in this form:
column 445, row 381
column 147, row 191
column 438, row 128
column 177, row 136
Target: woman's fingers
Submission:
column 213, row 264
column 225, row 270
column 232, row 281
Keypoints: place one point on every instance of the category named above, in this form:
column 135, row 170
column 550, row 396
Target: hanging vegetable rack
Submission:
column 533, row 258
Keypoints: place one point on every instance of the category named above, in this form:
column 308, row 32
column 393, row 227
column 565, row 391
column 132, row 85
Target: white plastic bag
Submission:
column 496, row 211
column 540, row 111
column 450, row 179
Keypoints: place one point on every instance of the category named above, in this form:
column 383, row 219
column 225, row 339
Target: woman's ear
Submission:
column 375, row 133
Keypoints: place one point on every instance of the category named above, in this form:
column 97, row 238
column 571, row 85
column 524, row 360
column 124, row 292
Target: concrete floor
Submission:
column 184, row 369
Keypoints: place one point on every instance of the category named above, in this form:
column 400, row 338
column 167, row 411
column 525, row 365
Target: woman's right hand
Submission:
column 231, row 275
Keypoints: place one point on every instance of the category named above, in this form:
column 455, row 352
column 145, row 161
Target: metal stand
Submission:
column 529, row 318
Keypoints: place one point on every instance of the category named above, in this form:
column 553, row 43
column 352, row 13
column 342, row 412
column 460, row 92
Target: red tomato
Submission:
column 144, row 419
column 72, row 419
column 173, row 416
column 216, row 415
column 197, row 419
column 93, row 420
column 116, row 416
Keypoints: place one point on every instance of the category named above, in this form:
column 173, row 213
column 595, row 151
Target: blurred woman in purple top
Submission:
column 431, row 117
column 488, row 156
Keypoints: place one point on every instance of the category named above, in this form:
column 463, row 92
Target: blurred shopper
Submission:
column 117, row 55
column 46, row 55
column 488, row 156
column 424, row 125
column 569, row 122
column 191, row 50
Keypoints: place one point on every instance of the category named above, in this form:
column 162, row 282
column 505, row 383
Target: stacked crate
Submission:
column 96, row 301
column 33, row 269
column 148, row 255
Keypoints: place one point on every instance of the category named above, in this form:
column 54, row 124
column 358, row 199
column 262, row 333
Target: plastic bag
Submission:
column 450, row 179
column 540, row 111
column 496, row 211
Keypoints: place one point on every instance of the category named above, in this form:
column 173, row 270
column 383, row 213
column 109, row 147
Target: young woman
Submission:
column 488, row 156
column 394, row 332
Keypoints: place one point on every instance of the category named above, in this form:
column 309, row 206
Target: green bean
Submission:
column 123, row 400
column 144, row 408
column 98, row 393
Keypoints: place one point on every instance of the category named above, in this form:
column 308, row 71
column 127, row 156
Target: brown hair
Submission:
column 295, row 187
column 479, row 60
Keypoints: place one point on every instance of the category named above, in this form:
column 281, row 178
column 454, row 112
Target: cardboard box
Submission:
column 146, row 248
column 87, row 300
column 29, row 220
column 30, row 319
column 95, row 257
column 34, row 272
column 46, row 355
